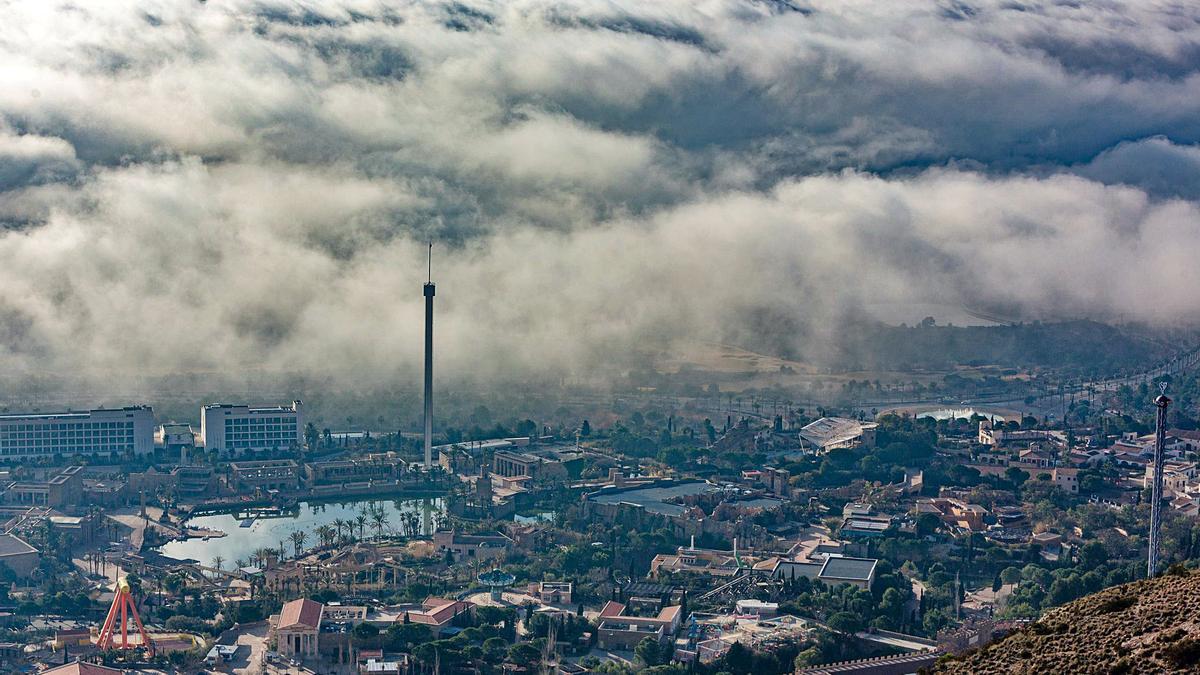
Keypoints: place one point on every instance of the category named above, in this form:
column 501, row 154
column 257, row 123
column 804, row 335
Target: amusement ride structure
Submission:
column 497, row 580
column 122, row 608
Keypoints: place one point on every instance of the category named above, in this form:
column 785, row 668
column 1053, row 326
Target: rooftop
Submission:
column 829, row 431
column 654, row 498
column 438, row 611
column 70, row 414
column 851, row 569
column 13, row 545
column 254, row 409
column 615, row 610
column 866, row 524
column 303, row 612
column 81, row 668
column 264, row 464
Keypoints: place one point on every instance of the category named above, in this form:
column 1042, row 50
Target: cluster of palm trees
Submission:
column 340, row 532
column 376, row 515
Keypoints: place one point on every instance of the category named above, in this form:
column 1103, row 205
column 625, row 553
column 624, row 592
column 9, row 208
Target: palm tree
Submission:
column 325, row 534
column 379, row 519
column 361, row 520
column 217, row 561
column 264, row 555
column 340, row 525
column 298, row 538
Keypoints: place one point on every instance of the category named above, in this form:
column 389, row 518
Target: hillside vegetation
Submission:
column 1085, row 346
column 1149, row 626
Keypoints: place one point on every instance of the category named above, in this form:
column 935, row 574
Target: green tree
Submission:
column 845, row 622
column 494, row 648
column 649, row 651
column 1010, row 575
column 1038, row 575
column 809, row 657
column 524, row 654
column 927, row 523
column 673, row 456
column 739, row 660
column 365, row 633
column 298, row 538
column 1065, row 590
column 1016, row 476
column 935, row 620
column 486, row 615
column 892, row 604
column 1092, row 555
column 665, row 669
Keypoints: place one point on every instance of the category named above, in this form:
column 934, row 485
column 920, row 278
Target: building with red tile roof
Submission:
column 618, row 630
column 297, row 628
column 82, row 668
column 438, row 613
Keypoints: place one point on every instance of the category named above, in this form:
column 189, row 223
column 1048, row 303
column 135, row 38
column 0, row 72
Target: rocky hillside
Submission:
column 1145, row 627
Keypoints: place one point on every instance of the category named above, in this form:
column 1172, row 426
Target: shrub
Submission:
column 1184, row 653
column 187, row 624
column 1119, row 603
column 1121, row 667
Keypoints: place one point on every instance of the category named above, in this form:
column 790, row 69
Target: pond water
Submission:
column 957, row 413
column 239, row 542
column 538, row 518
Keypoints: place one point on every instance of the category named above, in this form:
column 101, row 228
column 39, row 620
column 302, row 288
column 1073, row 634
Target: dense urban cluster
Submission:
column 723, row 533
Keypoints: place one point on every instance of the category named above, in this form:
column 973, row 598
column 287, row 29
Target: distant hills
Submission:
column 859, row 344
column 1084, row 345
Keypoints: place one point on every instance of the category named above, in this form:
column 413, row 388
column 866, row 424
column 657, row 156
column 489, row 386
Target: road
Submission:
column 894, row 641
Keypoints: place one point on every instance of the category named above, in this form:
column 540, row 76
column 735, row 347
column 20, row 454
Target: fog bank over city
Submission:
column 237, row 186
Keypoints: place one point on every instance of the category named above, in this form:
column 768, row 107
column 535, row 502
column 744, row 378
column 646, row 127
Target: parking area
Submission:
column 252, row 645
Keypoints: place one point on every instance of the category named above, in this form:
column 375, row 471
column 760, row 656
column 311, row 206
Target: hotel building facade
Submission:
column 236, row 428
column 106, row 431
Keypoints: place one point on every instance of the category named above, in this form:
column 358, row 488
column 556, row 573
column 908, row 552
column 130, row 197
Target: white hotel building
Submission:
column 103, row 431
column 236, row 428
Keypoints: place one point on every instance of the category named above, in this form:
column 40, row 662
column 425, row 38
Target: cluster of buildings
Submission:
column 819, row 436
column 305, row 629
column 691, row 507
column 1181, row 485
column 1049, row 455
column 708, row 637
column 67, row 488
column 132, row 431
column 830, row 433
column 622, row 627
column 503, row 475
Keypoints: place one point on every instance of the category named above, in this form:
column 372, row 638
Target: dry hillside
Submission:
column 1145, row 627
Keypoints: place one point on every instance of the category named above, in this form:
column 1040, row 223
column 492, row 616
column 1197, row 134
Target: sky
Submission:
column 227, row 186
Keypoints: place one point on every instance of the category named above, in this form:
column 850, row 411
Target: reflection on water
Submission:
column 959, row 413
column 538, row 518
column 403, row 517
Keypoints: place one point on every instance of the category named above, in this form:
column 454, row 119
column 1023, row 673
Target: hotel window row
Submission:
column 77, row 433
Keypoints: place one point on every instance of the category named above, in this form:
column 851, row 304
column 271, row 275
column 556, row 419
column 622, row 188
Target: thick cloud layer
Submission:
column 225, row 186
